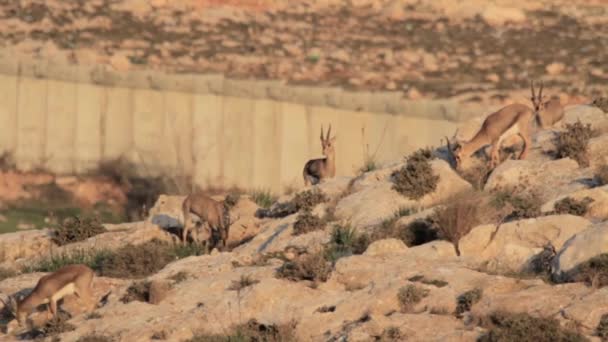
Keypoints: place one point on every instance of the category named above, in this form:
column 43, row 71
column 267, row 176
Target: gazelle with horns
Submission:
column 547, row 112
column 316, row 170
column 510, row 120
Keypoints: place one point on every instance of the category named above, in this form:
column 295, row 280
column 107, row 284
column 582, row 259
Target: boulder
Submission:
column 580, row 248
column 377, row 201
column 510, row 248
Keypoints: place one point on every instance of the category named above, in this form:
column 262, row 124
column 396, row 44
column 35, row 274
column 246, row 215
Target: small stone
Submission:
column 494, row 78
column 555, row 68
column 414, row 94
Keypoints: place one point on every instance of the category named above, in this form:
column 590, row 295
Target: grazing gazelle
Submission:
column 211, row 212
column 316, row 170
column 547, row 112
column 510, row 120
column 72, row 279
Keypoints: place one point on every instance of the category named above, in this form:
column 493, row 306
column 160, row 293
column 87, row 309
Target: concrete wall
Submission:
column 222, row 132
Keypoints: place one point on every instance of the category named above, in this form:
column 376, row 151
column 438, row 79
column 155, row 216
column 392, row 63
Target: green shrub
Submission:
column 521, row 327
column 345, row 241
column 417, row 177
column 410, row 295
column 568, row 205
column 75, row 229
column 263, row 198
column 573, row 142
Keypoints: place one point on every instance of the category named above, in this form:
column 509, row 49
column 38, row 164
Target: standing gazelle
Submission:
column 71, row 279
column 547, row 112
column 212, row 213
column 316, row 170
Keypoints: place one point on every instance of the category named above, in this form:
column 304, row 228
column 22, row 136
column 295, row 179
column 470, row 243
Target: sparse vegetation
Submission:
column 593, row 272
column 601, row 103
column 263, row 198
column 6, row 273
column 313, row 267
column 571, row 206
column 602, row 328
column 457, row 217
column 75, row 229
column 518, row 203
column 251, row 331
column 91, row 258
column 573, row 142
column 179, row 277
column 410, row 295
column 417, row 177
column 243, row 282
column 307, row 222
column 466, row 300
column 95, row 338
column 307, row 200
column 521, row 327
column 415, row 233
column 391, row 334
column 139, row 291
column 601, row 175
column 345, row 241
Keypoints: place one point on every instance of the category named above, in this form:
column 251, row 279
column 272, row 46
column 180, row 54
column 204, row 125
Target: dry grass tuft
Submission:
column 307, row 222
column 75, row 229
column 571, row 206
column 138, row 291
column 243, row 282
column 252, row 331
column 467, row 300
column 410, row 295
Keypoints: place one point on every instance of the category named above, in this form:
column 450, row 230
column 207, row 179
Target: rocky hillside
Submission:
column 412, row 251
column 421, row 48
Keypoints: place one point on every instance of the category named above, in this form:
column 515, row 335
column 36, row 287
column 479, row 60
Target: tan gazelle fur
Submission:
column 316, row 170
column 512, row 119
column 211, row 212
column 548, row 112
column 71, row 279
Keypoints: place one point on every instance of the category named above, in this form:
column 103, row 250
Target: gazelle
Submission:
column 316, row 170
column 211, row 212
column 72, row 279
column 547, row 112
column 512, row 119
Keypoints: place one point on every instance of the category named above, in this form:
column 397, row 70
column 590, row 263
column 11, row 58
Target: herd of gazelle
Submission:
column 514, row 119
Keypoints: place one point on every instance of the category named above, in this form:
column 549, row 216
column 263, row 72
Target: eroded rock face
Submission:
column 579, row 248
column 377, row 200
column 512, row 246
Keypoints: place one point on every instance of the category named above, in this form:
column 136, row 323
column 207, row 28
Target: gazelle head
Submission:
column 538, row 100
column 327, row 143
column 455, row 151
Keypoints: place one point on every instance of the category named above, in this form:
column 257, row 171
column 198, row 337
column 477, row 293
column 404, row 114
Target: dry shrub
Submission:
column 53, row 327
column 601, row 175
column 307, row 222
column 593, row 272
column 179, row 277
column 391, row 334
column 571, row 206
column 602, row 328
column 521, row 327
column 263, row 198
column 601, row 103
column 517, row 203
column 313, row 267
column 477, row 176
column 74, row 229
column 410, row 295
column 243, row 282
column 415, row 233
column 417, row 177
column 573, row 142
column 252, row 331
column 7, row 162
column 459, row 216
column 136, row 261
column 307, row 200
column 6, row 273
column 466, row 300
column 95, row 338
column 138, row 291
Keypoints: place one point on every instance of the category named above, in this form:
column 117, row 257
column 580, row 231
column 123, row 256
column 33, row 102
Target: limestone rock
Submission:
column 580, row 248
